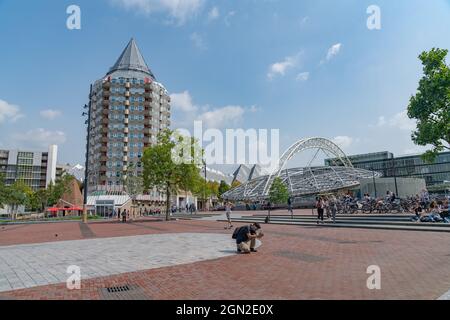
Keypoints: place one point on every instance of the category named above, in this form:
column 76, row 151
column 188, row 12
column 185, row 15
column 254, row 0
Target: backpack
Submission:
column 236, row 232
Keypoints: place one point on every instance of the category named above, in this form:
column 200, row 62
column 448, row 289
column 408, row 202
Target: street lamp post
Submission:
column 86, row 168
column 204, row 189
column 395, row 176
column 374, row 184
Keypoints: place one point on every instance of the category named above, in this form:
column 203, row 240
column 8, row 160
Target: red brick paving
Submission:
column 293, row 263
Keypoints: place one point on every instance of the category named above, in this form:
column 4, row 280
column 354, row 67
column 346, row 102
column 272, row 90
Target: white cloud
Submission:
column 332, row 52
column 399, row 120
column 222, row 117
column 218, row 118
column 381, row 121
column 50, row 114
column 198, row 41
column 343, row 141
column 227, row 18
column 213, row 14
column 303, row 76
column 182, row 101
column 39, row 138
column 402, row 121
column 9, row 112
column 280, row 68
column 179, row 10
column 253, row 109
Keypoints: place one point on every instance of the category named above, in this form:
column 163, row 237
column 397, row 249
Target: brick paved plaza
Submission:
column 195, row 259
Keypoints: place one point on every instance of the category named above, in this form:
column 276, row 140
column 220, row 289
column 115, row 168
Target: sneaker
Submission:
column 239, row 250
column 253, row 250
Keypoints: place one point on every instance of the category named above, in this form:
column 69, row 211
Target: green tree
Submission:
column 223, row 187
column 3, row 192
column 278, row 192
column 133, row 182
column 18, row 194
column 431, row 104
column 191, row 180
column 235, row 184
column 41, row 197
column 56, row 191
column 162, row 172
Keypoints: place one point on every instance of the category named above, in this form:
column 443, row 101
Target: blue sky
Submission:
column 308, row 68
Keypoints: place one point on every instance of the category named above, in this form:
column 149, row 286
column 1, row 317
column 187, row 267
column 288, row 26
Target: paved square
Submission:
column 294, row 262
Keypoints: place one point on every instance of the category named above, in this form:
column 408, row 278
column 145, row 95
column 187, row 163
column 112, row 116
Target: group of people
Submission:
column 433, row 211
column 328, row 205
column 190, row 208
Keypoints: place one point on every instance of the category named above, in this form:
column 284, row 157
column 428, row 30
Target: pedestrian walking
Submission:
column 290, row 207
column 320, row 209
column 228, row 207
column 333, row 207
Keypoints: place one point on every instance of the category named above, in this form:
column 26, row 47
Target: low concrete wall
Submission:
column 6, row 210
column 406, row 186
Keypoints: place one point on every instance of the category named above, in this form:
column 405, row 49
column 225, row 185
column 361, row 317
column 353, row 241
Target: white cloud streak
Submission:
column 218, row 118
column 399, row 120
column 50, row 114
column 198, row 41
column 303, row 76
column 228, row 116
column 280, row 68
column 9, row 112
column 182, row 101
column 39, row 138
column 178, row 10
column 213, row 14
column 333, row 51
column 343, row 142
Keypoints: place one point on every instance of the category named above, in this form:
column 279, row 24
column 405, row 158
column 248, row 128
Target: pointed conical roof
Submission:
column 131, row 59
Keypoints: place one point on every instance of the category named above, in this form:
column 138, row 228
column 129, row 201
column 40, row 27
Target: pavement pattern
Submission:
column 30, row 265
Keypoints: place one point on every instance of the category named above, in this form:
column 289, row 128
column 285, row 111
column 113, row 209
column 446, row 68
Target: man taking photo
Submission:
column 246, row 237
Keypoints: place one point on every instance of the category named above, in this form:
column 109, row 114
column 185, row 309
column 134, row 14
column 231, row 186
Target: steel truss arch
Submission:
column 302, row 145
column 308, row 180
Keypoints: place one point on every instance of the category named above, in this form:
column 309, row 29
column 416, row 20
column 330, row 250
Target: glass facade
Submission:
column 436, row 174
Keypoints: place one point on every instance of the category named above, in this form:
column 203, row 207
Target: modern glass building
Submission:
column 436, row 175
column 128, row 110
column 35, row 169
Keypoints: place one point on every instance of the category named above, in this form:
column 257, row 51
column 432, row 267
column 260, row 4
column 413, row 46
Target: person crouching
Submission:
column 246, row 237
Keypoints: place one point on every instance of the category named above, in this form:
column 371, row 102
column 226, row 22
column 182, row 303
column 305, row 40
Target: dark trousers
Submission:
column 319, row 214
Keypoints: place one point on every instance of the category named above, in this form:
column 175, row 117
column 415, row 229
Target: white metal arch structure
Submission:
column 304, row 144
column 305, row 181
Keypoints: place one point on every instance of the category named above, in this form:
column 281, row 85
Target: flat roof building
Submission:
column 436, row 174
column 36, row 169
